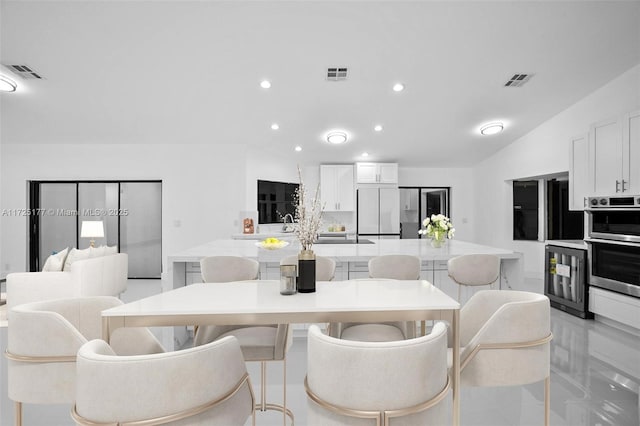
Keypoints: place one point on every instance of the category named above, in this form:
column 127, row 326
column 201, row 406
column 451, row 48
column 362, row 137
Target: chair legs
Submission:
column 263, row 405
column 18, row 413
column 547, row 399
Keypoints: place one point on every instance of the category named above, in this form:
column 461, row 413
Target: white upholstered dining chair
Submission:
column 505, row 340
column 205, row 385
column 220, row 269
column 261, row 343
column 43, row 339
column 392, row 267
column 472, row 270
column 325, row 266
column 381, row 383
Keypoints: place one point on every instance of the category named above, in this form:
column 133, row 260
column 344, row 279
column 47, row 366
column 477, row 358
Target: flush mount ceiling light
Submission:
column 337, row 137
column 275, row 126
column 378, row 128
column 265, row 84
column 298, row 148
column 491, row 128
column 7, row 85
column 365, row 154
column 398, row 87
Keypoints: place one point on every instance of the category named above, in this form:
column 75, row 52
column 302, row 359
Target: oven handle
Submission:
column 616, row 242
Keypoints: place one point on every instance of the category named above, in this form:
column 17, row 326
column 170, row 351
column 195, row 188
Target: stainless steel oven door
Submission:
column 614, row 265
column 619, row 225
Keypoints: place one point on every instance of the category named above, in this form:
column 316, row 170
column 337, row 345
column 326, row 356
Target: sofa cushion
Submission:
column 110, row 250
column 75, row 255
column 96, row 251
column 55, row 262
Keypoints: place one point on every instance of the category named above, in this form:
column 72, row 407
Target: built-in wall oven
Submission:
column 614, row 243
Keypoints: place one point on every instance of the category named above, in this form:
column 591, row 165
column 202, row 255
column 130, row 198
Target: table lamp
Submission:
column 92, row 229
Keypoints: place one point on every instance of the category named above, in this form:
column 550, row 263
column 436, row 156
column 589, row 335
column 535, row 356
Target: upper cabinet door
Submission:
column 328, row 188
column 606, row 157
column 337, row 188
column 377, row 172
column 578, row 172
column 345, row 188
column 367, row 172
column 388, row 173
column 631, row 147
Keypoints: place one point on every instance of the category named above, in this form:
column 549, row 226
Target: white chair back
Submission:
column 395, row 266
column 212, row 386
column 515, row 328
column 377, row 377
column 220, row 269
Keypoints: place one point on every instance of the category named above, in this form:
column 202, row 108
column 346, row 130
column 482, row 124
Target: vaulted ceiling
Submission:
column 187, row 72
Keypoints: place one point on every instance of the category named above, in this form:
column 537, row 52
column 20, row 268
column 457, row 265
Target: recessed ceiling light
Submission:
column 7, row 85
column 298, row 148
column 491, row 128
column 265, row 84
column 336, row 137
column 378, row 128
column 275, row 126
column 398, row 87
column 365, row 154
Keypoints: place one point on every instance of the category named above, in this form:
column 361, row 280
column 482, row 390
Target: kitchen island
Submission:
column 351, row 259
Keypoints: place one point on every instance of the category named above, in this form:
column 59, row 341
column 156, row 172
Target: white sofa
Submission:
column 98, row 276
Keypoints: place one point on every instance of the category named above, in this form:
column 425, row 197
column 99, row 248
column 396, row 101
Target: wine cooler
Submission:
column 565, row 280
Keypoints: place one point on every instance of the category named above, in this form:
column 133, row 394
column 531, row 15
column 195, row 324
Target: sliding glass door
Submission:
column 131, row 213
column 141, row 227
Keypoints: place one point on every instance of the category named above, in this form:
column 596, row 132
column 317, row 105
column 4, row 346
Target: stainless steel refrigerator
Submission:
column 378, row 213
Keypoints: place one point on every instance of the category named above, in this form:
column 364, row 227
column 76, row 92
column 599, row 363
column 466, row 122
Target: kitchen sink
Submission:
column 342, row 241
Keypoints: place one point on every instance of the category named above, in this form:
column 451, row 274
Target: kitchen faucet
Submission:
column 286, row 228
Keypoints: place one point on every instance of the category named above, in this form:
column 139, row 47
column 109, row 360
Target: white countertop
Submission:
column 341, row 252
column 575, row 244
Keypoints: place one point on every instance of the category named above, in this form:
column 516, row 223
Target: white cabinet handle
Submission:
column 623, row 182
column 617, row 186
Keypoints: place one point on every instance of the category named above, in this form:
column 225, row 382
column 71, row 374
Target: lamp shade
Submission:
column 92, row 229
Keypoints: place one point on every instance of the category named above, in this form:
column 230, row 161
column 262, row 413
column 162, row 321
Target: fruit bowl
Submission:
column 272, row 244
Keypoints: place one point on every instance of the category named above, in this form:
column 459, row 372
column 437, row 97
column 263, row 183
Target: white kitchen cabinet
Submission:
column 605, row 157
column 377, row 172
column 578, row 172
column 614, row 156
column 337, row 188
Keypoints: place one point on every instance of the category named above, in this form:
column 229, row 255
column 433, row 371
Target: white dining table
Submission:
column 260, row 302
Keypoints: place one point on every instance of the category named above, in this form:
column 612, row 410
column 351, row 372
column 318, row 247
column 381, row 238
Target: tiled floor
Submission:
column 595, row 380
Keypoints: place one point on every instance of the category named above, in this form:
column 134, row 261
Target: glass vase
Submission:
column 437, row 242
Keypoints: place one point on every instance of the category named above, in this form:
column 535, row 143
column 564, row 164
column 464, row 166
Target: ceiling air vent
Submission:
column 336, row 74
column 518, row 80
column 25, row 71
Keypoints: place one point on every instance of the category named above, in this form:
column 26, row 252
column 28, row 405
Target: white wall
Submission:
column 461, row 183
column 202, row 186
column 545, row 150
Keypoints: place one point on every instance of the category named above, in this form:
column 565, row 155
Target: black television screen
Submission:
column 275, row 199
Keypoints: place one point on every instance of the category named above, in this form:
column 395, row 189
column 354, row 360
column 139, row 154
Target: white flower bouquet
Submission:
column 437, row 227
column 308, row 215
